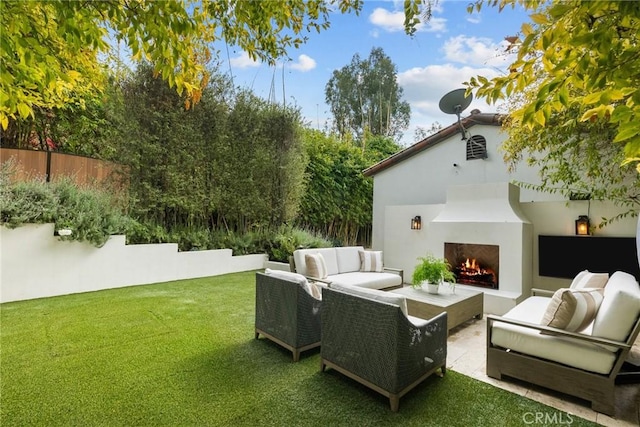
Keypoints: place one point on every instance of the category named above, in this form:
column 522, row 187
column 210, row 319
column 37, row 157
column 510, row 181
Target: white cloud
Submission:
column 476, row 51
column 424, row 86
column 389, row 21
column 435, row 25
column 243, row 61
column 474, row 18
column 394, row 22
column 305, row 63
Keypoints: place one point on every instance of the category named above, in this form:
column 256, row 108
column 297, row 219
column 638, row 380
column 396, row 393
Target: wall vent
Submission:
column 476, row 147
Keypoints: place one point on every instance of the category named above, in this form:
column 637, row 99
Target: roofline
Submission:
column 467, row 122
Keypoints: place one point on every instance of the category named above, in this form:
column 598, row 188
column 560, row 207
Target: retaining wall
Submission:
column 34, row 264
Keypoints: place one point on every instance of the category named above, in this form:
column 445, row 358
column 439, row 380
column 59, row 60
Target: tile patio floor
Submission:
column 466, row 354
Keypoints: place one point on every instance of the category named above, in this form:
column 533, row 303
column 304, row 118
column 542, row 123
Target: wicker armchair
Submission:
column 286, row 314
column 374, row 343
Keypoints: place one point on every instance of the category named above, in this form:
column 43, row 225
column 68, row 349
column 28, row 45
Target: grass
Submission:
column 183, row 354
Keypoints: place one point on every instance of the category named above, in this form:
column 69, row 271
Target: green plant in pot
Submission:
column 432, row 271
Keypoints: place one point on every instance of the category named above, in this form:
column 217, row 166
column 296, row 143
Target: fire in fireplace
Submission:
column 474, row 264
column 470, row 272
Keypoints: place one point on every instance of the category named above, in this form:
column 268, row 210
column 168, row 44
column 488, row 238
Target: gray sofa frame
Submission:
column 286, row 314
column 373, row 343
column 597, row 388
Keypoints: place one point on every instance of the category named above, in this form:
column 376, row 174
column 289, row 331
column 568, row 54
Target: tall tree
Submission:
column 364, row 98
column 220, row 164
column 50, row 49
column 574, row 96
column 338, row 199
column 581, row 57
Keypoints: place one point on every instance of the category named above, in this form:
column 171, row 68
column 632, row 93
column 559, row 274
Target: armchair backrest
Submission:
column 286, row 310
column 362, row 334
column 376, row 341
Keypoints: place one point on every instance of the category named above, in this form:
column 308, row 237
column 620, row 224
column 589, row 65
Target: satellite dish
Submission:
column 455, row 102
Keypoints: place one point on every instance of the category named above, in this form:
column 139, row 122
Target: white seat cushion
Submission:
column 567, row 351
column 348, row 258
column 367, row 280
column 619, row 309
column 329, row 255
column 373, row 294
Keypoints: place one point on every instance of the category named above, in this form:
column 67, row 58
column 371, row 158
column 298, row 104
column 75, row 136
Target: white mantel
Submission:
column 489, row 214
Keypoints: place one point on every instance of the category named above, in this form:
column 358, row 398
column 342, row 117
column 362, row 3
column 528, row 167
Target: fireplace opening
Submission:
column 474, row 264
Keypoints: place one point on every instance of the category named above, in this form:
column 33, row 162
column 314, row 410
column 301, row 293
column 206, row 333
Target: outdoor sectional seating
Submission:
column 344, row 266
column 583, row 364
column 368, row 337
column 286, row 312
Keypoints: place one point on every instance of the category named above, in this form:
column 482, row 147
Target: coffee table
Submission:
column 461, row 305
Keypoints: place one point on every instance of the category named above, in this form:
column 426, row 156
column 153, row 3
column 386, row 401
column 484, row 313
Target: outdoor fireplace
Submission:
column 474, row 264
column 488, row 225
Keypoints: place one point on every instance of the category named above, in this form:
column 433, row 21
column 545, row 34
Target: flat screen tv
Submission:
column 566, row 256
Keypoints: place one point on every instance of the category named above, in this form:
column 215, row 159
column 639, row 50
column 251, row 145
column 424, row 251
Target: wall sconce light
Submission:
column 582, row 225
column 416, row 223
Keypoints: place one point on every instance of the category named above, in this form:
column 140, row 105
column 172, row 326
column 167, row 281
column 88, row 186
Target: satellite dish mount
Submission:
column 455, row 102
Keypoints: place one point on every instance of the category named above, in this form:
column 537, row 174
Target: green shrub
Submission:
column 91, row 213
column 278, row 244
column 287, row 239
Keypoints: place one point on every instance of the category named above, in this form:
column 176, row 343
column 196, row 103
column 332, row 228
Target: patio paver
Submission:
column 467, row 354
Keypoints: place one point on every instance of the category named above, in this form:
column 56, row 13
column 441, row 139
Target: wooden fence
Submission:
column 50, row 166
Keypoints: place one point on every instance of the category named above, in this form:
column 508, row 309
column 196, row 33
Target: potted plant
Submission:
column 433, row 271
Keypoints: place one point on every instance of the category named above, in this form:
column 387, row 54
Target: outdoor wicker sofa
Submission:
column 584, row 364
column 344, row 265
column 286, row 312
column 367, row 336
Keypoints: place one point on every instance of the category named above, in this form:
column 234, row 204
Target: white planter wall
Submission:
column 34, row 264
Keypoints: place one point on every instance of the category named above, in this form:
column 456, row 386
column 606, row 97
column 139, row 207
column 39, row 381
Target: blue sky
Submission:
column 445, row 52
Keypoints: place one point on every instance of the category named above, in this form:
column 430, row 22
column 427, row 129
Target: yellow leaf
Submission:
column 589, row 114
column 592, row 98
column 527, row 29
column 74, row 74
column 24, row 110
column 539, row 117
column 539, row 18
column 4, row 121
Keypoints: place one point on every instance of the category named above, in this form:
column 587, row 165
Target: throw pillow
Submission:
column 572, row 309
column 587, row 279
column 316, row 267
column 315, row 290
column 371, row 261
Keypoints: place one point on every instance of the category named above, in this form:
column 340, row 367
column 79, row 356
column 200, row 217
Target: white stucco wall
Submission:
column 424, row 178
column 558, row 219
column 34, row 264
column 403, row 246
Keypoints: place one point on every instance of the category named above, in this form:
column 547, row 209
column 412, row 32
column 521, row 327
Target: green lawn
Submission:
column 184, row 354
